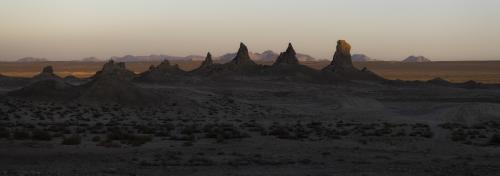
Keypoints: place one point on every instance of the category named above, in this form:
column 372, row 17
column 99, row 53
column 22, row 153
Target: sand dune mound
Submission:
column 342, row 66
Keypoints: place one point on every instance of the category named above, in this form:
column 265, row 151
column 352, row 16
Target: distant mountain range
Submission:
column 414, row 59
column 90, row 59
column 32, row 59
column 362, row 58
column 130, row 58
column 264, row 56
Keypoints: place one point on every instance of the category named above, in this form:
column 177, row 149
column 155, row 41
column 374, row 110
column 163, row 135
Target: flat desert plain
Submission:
column 454, row 71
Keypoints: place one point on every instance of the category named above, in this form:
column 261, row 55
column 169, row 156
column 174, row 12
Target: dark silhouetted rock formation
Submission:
column 113, row 85
column 343, row 68
column 241, row 65
column 287, row 57
column 166, row 68
column 47, row 73
column 242, row 57
column 163, row 72
column 342, row 58
column 47, row 89
column 113, row 90
column 439, row 81
column 206, row 66
column 48, row 70
column 288, row 68
column 208, row 61
column 116, row 70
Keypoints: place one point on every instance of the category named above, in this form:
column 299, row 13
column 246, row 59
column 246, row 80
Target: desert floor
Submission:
column 259, row 128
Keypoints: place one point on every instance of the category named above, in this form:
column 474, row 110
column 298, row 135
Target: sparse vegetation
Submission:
column 41, row 135
column 72, row 140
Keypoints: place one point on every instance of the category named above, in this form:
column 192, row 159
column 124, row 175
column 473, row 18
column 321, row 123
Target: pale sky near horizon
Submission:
column 381, row 29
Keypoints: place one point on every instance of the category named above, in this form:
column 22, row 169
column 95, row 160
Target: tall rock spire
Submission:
column 342, row 57
column 287, row 57
column 208, row 60
column 242, row 57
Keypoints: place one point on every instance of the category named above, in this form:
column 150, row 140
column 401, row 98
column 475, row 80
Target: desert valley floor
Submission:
column 259, row 128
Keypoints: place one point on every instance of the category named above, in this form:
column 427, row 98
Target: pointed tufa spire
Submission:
column 242, row 57
column 290, row 49
column 287, row 57
column 342, row 57
column 208, row 60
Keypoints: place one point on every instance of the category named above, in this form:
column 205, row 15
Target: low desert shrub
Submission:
column 21, row 134
column 127, row 138
column 41, row 135
column 4, row 133
column 495, row 140
column 72, row 140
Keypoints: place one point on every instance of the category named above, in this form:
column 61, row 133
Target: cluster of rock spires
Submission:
column 163, row 72
column 114, row 82
column 116, row 70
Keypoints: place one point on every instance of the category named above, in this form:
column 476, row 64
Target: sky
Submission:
column 381, row 29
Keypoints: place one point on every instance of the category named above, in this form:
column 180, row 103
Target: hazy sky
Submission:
column 384, row 29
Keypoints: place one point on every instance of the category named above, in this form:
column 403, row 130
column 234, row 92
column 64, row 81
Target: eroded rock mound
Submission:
column 163, row 72
column 113, row 85
column 440, row 82
column 116, row 70
column 47, row 73
column 48, row 89
column 118, row 91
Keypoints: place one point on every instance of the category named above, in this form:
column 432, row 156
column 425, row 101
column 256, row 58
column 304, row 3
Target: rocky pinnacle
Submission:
column 242, row 57
column 287, row 57
column 342, row 57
